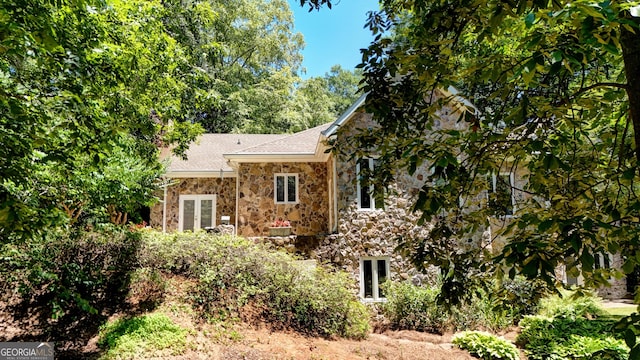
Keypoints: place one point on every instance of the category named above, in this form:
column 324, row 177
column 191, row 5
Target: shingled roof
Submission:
column 210, row 154
column 303, row 142
column 206, row 154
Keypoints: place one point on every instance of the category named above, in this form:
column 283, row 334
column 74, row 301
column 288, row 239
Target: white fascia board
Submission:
column 202, row 174
column 345, row 116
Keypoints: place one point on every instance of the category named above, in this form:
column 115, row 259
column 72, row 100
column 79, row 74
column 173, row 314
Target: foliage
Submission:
column 278, row 288
column 416, row 308
column 147, row 287
column 486, row 346
column 247, row 57
column 571, row 306
column 556, row 90
column 140, row 336
column 69, row 274
column 570, row 338
column 413, row 307
column 83, row 82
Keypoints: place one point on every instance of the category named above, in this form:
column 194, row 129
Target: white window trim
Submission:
column 197, row 198
column 512, row 182
column 372, row 199
column 286, row 185
column 374, row 283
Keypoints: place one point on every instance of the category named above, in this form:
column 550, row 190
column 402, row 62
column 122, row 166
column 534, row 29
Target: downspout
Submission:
column 164, row 209
column 335, row 194
column 235, row 231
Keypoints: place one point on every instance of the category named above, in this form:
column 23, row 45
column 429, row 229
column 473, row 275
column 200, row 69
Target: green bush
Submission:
column 570, row 338
column 65, row 272
column 184, row 253
column 570, row 305
column 236, row 277
column 413, row 307
column 141, row 336
column 147, row 287
column 486, row 346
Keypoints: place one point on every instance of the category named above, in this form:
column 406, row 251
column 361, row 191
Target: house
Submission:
column 253, row 180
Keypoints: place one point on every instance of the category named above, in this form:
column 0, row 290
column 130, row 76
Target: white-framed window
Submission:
column 374, row 271
column 285, row 188
column 602, row 260
column 502, row 198
column 197, row 212
column 366, row 198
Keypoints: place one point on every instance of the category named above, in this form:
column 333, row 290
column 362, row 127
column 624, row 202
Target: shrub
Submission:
column 520, row 295
column 570, row 305
column 140, row 336
column 65, row 272
column 486, row 346
column 415, row 308
column 237, row 278
column 147, row 287
column 316, row 302
column 184, row 253
column 568, row 338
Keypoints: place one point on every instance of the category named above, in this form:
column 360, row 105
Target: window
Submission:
column 501, row 200
column 286, row 188
column 373, row 273
column 197, row 212
column 602, row 261
column 366, row 198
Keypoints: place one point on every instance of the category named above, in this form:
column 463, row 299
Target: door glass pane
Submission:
column 368, row 278
column 188, row 214
column 382, row 276
column 291, row 189
column 206, row 213
column 280, row 188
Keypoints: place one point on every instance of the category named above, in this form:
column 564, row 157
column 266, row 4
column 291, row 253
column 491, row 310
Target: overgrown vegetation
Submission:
column 238, row 279
column 486, row 346
column 139, row 336
column 70, row 274
column 567, row 328
column 417, row 308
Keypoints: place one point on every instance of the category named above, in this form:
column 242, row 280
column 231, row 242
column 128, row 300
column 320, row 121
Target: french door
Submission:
column 197, row 212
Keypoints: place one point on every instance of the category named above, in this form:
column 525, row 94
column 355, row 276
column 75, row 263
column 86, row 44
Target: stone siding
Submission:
column 223, row 188
column 257, row 207
column 372, row 233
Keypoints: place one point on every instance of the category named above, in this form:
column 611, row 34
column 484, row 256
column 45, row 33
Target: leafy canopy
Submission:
column 556, row 89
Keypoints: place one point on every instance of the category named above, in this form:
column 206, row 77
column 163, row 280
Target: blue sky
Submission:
column 333, row 36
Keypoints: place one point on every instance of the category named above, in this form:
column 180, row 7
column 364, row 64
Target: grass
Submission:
column 620, row 311
column 141, row 337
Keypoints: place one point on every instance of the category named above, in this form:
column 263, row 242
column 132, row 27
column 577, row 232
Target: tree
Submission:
column 558, row 93
column 245, row 58
column 79, row 80
column 319, row 100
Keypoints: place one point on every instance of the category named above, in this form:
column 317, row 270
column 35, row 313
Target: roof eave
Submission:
column 331, row 130
column 201, row 174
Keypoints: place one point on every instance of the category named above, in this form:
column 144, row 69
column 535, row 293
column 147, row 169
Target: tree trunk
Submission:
column 630, row 44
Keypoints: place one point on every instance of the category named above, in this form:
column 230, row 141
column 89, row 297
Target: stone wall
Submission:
column 371, row 233
column 257, row 207
column 224, row 188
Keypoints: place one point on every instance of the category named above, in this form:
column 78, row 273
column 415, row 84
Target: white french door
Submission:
column 197, row 212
